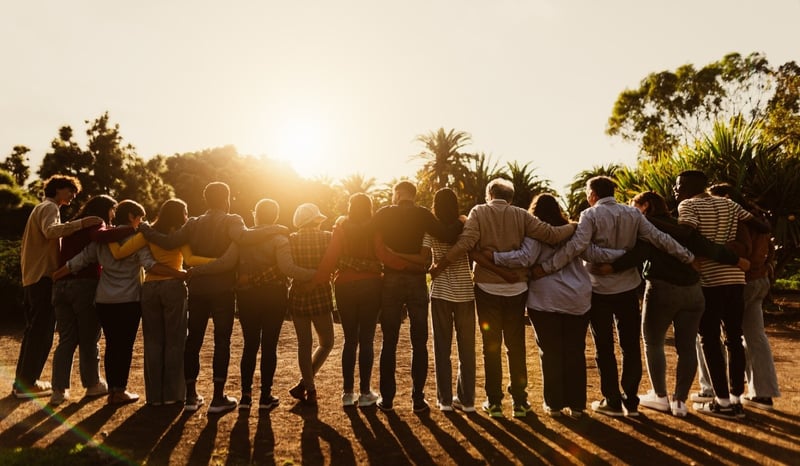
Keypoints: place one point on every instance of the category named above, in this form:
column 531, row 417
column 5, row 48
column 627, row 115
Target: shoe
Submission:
column 58, row 397
column 246, row 401
column 193, row 402
column 385, row 406
column 121, row 398
column 574, row 413
column 738, row 410
column 420, row 406
column 678, row 408
column 311, row 398
column 550, row 411
column 100, row 388
column 268, row 402
column 348, row 399
column 221, row 405
column 445, row 407
column 37, row 390
column 653, row 401
column 630, row 408
column 702, row 397
column 712, row 408
column 760, row 402
column 367, row 399
column 492, row 410
column 457, row 404
column 603, row 407
column 522, row 409
column 298, row 391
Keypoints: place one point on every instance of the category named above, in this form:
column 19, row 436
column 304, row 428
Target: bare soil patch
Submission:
column 86, row 431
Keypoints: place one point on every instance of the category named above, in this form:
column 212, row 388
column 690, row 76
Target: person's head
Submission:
column 650, row 203
column 404, row 191
column 171, row 216
column 62, row 188
column 307, row 216
column 722, row 190
column 359, row 208
column 445, row 205
column 266, row 212
column 500, row 188
column 689, row 183
column 129, row 213
column 546, row 208
column 599, row 187
column 217, row 196
column 102, row 206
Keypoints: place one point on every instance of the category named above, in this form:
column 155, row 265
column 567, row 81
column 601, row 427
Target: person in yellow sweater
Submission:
column 164, row 315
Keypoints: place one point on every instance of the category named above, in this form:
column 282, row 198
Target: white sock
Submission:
column 723, row 403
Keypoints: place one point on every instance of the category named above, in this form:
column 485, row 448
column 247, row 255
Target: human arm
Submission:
column 578, row 243
column 484, row 259
column 524, row 257
column 630, row 259
column 239, row 233
column 128, row 247
column 546, row 233
column 663, row 241
column 193, row 260
column 423, row 257
column 82, row 260
column 52, row 228
column 224, row 263
column 172, row 240
column 599, row 255
column 286, row 264
column 112, row 235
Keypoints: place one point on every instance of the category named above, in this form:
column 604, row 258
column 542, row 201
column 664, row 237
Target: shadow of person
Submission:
column 145, row 426
column 264, row 440
column 12, row 435
column 160, row 454
column 449, row 444
column 314, row 431
column 369, row 442
column 482, row 443
column 239, row 440
column 204, row 445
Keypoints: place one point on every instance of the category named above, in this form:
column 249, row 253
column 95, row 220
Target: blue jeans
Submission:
column 762, row 380
column 445, row 315
column 359, row 303
column 682, row 307
column 619, row 310
column 40, row 322
column 78, row 327
column 164, row 331
column 502, row 319
column 411, row 290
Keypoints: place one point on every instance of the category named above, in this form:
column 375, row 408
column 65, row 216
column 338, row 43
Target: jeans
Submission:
column 444, row 315
column 217, row 306
column 164, row 320
column 682, row 307
column 620, row 310
column 502, row 320
column 261, row 313
column 120, row 323
column 724, row 304
column 562, row 344
column 311, row 363
column 40, row 322
column 359, row 303
column 762, row 380
column 78, row 327
column 410, row 290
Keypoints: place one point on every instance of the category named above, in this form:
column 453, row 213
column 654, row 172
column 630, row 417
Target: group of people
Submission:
column 85, row 275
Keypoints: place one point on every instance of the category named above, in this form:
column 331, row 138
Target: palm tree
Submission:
column 527, row 184
column 357, row 183
column 445, row 164
column 482, row 169
column 576, row 198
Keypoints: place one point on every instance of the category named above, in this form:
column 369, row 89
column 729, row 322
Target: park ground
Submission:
column 87, row 431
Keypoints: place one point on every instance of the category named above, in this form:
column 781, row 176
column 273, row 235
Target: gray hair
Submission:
column 500, row 188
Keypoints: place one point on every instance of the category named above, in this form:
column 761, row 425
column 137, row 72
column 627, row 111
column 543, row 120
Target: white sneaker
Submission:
column 653, row 401
column 367, row 399
column 457, row 404
column 58, row 397
column 348, row 399
column 550, row 411
column 678, row 408
column 100, row 388
column 445, row 407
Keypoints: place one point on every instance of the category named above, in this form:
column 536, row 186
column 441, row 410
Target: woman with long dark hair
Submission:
column 352, row 253
column 73, row 301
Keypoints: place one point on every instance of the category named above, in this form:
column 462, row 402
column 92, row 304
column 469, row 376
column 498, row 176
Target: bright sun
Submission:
column 301, row 142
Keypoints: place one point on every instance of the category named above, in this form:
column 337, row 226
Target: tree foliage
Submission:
column 445, row 163
column 17, row 164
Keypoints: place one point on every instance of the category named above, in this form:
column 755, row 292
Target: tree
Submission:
column 17, row 164
column 112, row 158
column 445, row 164
column 67, row 158
column 673, row 109
column 482, row 169
column 527, row 184
column 576, row 198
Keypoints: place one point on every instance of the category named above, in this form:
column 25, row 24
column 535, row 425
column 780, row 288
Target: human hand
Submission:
column 91, row 221
column 537, row 272
column 602, row 269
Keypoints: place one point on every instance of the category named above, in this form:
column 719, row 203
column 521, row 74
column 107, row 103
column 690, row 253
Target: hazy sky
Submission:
column 339, row 87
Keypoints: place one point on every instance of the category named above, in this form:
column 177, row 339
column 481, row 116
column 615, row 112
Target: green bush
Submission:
column 10, row 279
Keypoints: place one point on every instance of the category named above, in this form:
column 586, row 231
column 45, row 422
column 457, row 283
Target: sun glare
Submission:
column 301, row 142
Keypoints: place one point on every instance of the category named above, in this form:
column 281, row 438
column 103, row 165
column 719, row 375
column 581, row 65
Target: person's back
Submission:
column 502, row 228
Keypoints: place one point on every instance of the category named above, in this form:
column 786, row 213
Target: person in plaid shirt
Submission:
column 310, row 305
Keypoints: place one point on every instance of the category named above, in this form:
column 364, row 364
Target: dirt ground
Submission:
column 89, row 432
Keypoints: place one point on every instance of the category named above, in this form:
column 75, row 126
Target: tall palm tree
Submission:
column 357, row 183
column 445, row 164
column 527, row 184
column 576, row 198
column 482, row 169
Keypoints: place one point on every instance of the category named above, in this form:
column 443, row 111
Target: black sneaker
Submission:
column 420, row 406
column 268, row 402
column 384, row 405
column 522, row 409
column 221, row 405
column 712, row 408
column 246, row 401
column 298, row 391
column 604, row 407
column 760, row 402
column 738, row 410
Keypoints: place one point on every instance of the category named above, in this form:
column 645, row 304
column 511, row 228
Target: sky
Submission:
column 344, row 87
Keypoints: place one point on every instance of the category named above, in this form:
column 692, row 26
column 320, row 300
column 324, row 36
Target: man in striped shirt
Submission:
column 717, row 218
